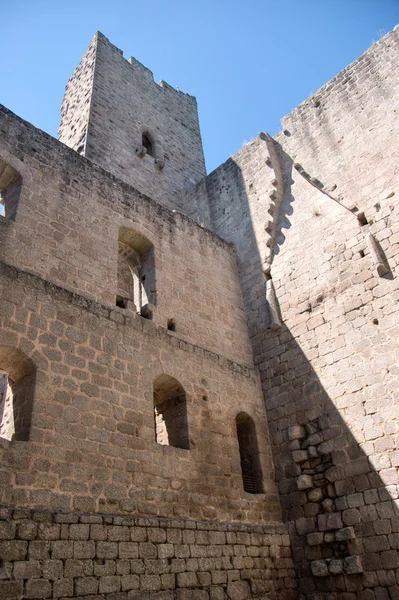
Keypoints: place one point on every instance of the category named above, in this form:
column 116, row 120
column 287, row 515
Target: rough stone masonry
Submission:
column 199, row 374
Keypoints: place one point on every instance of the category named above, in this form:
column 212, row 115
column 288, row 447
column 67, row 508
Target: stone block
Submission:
column 238, row 590
column 353, row 565
column 296, row 432
column 118, row 534
column 204, row 579
column 335, row 566
column 63, row 588
column 166, row 551
column 62, row 549
column 27, row 530
column 299, row 456
column 304, row 482
column 130, row 582
column 107, row 549
column 11, row 590
column 38, row 589
column 315, row 495
column 147, row 550
column 128, row 550
column 192, row 595
column 351, row 516
column 110, row 584
column 329, row 521
column 305, row 525
column 217, row 593
column 315, row 539
column 13, row 550
column 86, row 585
column 84, row 550
column 319, row 568
column 187, row 580
column 39, row 549
column 7, row 530
column 52, row 569
column 79, row 531
column 150, row 582
column 346, row 533
column 29, row 569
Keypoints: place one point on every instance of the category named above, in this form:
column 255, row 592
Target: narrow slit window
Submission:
column 251, row 471
column 148, row 145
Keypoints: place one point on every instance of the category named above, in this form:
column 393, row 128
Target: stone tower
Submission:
column 144, row 133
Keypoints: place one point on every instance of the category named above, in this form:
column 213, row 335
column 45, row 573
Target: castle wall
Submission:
column 61, row 555
column 66, row 231
column 92, row 439
column 330, row 374
column 125, row 102
column 91, row 457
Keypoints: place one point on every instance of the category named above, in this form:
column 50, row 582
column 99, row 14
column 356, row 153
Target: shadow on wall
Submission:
column 343, row 513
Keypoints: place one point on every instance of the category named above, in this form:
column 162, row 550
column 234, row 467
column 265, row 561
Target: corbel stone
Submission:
column 141, row 151
column 275, row 321
column 377, row 255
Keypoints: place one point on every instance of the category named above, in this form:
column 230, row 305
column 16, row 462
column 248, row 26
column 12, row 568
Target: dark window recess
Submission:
column 121, row 302
column 249, row 454
column 171, row 325
column 248, row 477
column 170, row 413
column 361, row 217
column 146, row 142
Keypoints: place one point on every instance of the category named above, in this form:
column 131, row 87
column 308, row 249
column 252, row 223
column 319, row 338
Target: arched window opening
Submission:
column 17, row 383
column 249, row 454
column 147, row 144
column 10, row 190
column 170, row 413
column 136, row 272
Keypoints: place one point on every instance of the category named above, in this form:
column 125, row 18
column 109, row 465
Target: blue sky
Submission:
column 248, row 62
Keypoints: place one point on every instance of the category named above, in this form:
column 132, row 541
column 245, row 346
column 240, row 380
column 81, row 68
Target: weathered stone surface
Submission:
column 296, row 432
column 335, row 567
column 86, row 330
column 353, row 564
column 304, row 482
column 347, row 533
column 319, row 568
column 238, row 590
column 213, row 563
